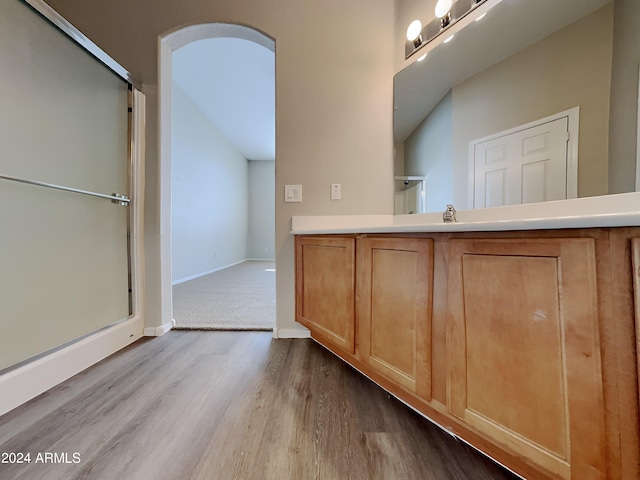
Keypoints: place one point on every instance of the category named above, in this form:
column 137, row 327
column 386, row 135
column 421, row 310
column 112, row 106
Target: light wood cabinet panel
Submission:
column 325, row 288
column 394, row 309
column 635, row 253
column 524, row 350
column 618, row 342
column 524, row 344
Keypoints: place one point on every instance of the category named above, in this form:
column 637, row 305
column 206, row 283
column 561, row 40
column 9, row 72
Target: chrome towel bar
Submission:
column 115, row 197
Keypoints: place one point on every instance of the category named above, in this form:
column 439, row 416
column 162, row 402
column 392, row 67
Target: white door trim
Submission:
column 573, row 118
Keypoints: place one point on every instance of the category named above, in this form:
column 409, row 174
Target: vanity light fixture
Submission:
column 443, row 12
column 414, row 33
column 447, row 12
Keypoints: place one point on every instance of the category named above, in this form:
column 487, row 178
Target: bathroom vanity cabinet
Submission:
column 395, row 285
column 522, row 343
column 325, row 292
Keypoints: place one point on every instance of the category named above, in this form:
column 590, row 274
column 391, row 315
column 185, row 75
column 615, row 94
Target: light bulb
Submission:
column 414, row 30
column 443, row 7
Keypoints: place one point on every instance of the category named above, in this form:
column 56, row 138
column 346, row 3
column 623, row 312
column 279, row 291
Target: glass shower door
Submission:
column 64, row 121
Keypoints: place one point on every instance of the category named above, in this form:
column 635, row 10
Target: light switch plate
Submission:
column 292, row 193
column 336, row 191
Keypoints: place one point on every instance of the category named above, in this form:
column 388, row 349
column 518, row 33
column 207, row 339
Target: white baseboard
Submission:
column 159, row 331
column 202, row 274
column 291, row 333
column 28, row 381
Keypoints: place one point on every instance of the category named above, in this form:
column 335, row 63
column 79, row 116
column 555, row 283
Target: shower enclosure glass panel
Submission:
column 64, row 120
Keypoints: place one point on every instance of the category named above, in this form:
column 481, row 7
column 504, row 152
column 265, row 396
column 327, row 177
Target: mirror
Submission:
column 474, row 101
column 409, row 195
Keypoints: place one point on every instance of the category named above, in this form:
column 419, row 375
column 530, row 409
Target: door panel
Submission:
column 527, row 166
column 495, row 186
column 635, row 252
column 524, row 349
column 395, row 310
column 533, row 182
column 325, row 288
column 514, row 352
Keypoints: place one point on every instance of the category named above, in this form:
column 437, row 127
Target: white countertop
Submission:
column 620, row 210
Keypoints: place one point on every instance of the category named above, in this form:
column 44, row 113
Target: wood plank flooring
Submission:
column 229, row 405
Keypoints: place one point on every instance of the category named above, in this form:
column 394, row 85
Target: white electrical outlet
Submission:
column 336, row 191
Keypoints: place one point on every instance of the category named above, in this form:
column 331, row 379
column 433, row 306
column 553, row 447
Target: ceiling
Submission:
column 232, row 81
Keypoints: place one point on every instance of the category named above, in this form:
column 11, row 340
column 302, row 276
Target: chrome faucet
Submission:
column 449, row 215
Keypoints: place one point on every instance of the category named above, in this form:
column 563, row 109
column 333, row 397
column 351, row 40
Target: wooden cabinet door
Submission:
column 394, row 309
column 524, row 350
column 635, row 252
column 325, row 289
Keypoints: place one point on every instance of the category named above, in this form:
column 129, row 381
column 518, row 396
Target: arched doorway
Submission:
column 170, row 47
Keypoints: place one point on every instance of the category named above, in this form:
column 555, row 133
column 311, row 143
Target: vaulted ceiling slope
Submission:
column 232, row 81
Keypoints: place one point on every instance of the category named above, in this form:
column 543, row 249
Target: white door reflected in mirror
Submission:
column 536, row 162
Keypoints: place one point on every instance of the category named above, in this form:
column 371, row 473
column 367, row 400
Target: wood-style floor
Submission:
column 229, row 405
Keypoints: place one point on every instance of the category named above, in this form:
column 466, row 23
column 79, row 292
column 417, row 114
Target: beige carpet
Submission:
column 242, row 297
